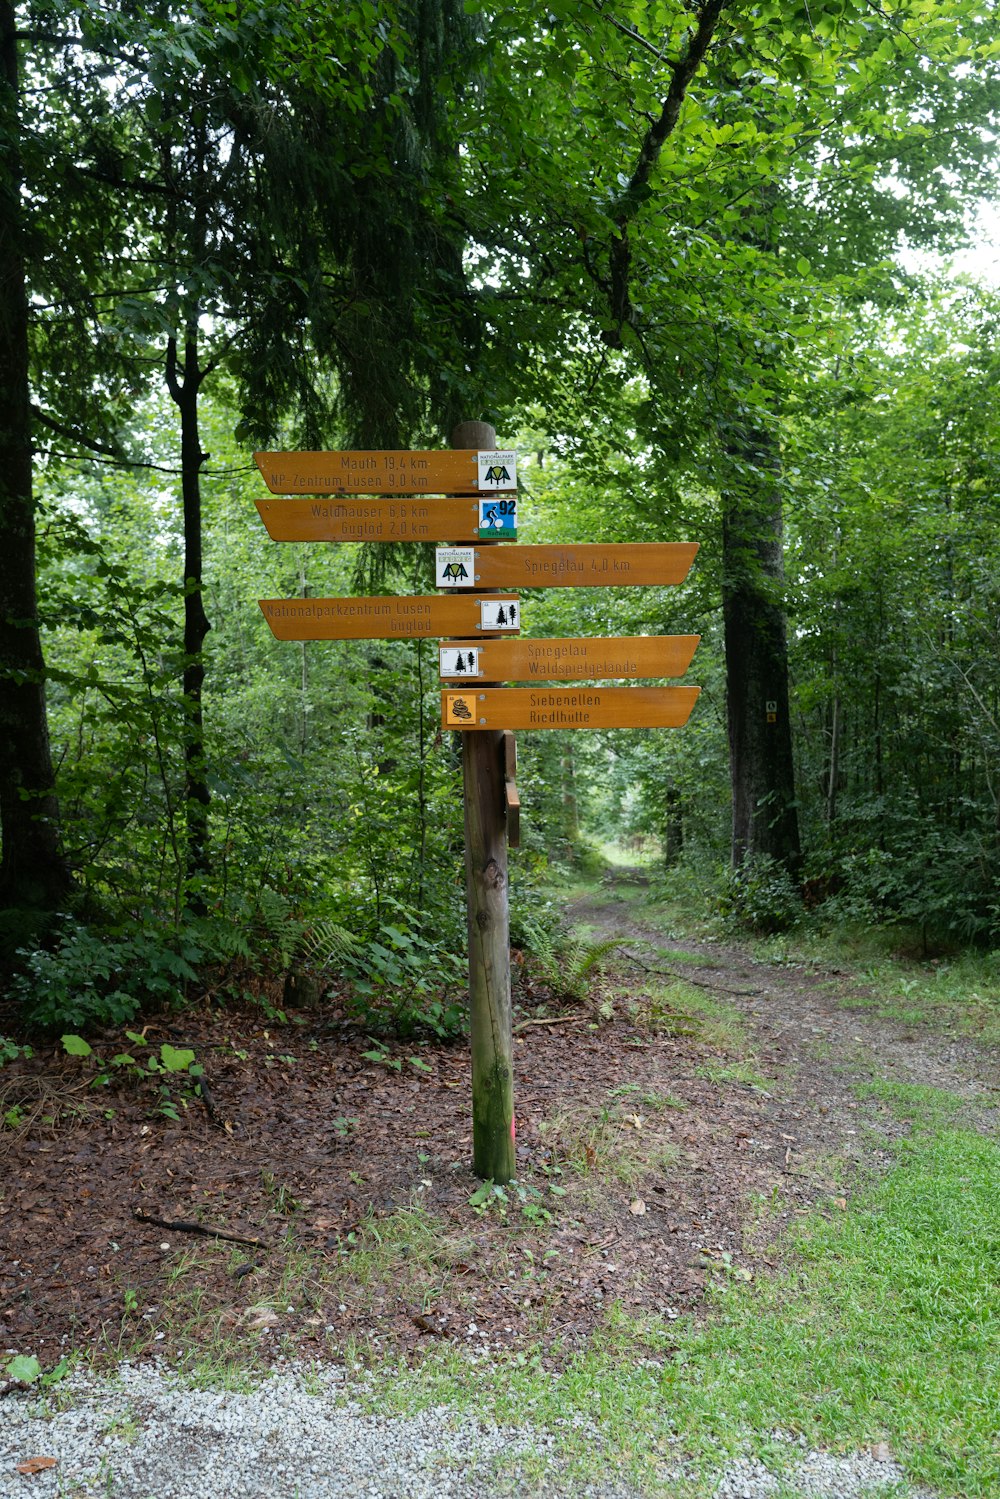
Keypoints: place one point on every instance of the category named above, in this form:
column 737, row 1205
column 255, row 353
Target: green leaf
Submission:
column 24, row 1367
column 176, row 1058
column 76, row 1046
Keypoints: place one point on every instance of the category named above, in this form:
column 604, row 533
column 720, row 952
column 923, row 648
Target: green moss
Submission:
column 493, row 1151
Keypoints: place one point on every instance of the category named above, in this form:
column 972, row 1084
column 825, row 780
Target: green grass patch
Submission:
column 744, row 1073
column 882, row 1326
column 913, row 1101
column 676, row 1008
column 622, row 1140
column 960, row 992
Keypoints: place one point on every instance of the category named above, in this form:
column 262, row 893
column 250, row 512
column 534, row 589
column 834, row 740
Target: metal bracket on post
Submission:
column 512, row 801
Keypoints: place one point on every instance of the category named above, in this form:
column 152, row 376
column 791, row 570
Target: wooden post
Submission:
column 483, row 772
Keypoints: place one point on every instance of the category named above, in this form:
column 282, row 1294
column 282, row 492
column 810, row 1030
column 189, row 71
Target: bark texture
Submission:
column 32, row 869
column 184, row 392
column 765, row 818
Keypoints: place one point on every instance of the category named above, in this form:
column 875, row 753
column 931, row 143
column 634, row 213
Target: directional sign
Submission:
column 589, row 660
column 455, row 471
column 567, row 707
column 389, row 518
column 385, row 617
column 454, row 567
column 586, row 566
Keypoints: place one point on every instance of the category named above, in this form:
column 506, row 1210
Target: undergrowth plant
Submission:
column 176, row 1062
column 399, row 981
column 97, row 978
column 566, row 962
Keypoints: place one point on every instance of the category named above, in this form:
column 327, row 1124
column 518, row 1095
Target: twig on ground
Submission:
column 688, row 978
column 182, row 1226
column 552, row 1020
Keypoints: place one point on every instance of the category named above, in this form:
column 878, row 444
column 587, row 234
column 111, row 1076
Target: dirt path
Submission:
column 695, row 1105
column 815, row 1034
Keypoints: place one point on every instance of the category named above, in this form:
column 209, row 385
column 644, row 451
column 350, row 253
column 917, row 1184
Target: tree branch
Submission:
column 84, row 442
column 635, row 36
column 649, row 154
column 173, row 384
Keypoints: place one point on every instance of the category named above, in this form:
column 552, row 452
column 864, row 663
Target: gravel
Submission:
column 141, row 1434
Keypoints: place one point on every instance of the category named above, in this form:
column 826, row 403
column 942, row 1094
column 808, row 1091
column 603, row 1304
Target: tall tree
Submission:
column 33, row 871
column 664, row 210
column 286, row 207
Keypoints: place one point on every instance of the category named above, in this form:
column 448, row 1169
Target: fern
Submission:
column 566, row 962
column 279, row 925
column 326, row 945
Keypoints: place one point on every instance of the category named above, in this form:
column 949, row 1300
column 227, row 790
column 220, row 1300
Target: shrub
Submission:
column 94, row 978
column 760, row 896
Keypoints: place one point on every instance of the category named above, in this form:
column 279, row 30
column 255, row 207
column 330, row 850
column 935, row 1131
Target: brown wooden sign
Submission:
column 567, row 707
column 385, row 617
column 382, row 518
column 588, row 660
column 456, row 471
column 586, row 566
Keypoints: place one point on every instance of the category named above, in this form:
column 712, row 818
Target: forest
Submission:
column 686, row 257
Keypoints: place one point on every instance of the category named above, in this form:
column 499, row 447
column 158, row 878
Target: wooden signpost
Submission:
column 395, row 518
column 549, row 660
column 469, row 495
column 385, row 617
column 454, row 471
column 568, row 707
column 587, row 566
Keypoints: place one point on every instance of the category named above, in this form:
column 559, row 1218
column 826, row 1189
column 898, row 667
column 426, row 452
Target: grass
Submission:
column 676, row 1008
column 960, row 992
column 621, row 1140
column 743, row 1073
column 882, row 1325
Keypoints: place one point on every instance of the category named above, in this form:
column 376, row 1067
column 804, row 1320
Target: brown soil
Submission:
column 680, row 1146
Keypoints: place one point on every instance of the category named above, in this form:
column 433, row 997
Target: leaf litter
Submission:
column 641, row 1175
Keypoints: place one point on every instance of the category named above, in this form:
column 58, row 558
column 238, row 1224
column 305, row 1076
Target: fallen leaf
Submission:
column 636, row 1120
column 259, row 1317
column 638, row 1207
column 36, row 1465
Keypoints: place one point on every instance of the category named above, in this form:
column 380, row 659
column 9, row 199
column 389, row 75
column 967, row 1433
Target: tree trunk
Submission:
column 765, row 819
column 571, row 813
column 32, row 869
column 673, row 827
column 196, row 793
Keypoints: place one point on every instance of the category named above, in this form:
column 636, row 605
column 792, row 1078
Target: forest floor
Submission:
column 668, row 1129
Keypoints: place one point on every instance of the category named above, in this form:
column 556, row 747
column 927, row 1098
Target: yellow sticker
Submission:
column 459, row 708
